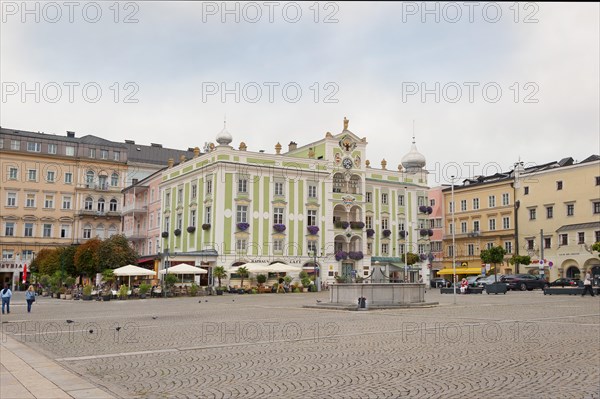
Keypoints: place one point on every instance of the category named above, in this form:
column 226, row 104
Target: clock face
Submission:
column 347, row 163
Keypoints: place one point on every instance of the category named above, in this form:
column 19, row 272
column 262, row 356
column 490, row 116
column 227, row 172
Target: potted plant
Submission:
column 177, row 232
column 191, row 229
column 288, row 280
column 423, row 209
column 358, row 255
column 261, row 279
column 170, row 280
column 144, row 288
column 280, row 228
column 63, row 292
column 243, row 273
column 165, row 234
column 313, row 230
column 206, row 226
column 87, row 292
column 357, row 225
column 341, row 255
column 242, row 226
column 106, row 294
column 494, row 255
column 45, row 283
column 386, row 233
column 194, row 289
column 423, row 232
column 402, row 233
column 370, row 233
column 219, row 272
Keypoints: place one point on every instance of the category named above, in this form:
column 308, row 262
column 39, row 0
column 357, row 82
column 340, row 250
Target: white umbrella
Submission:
column 184, row 269
column 277, row 267
column 131, row 270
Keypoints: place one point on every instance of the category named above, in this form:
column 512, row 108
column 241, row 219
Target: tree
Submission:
column 243, row 273
column 493, row 255
column 115, row 252
column 596, row 247
column 219, row 272
column 47, row 261
column 86, row 257
column 67, row 258
column 520, row 259
column 410, row 258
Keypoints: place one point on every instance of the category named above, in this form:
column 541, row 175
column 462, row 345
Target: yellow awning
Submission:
column 462, row 270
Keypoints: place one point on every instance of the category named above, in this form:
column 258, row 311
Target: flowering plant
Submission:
column 358, row 255
column 370, row 233
column 341, row 255
column 206, row 226
column 386, row 233
column 402, row 233
column 243, row 226
column 313, row 229
column 423, row 232
column 280, row 228
column 177, row 232
column 423, row 209
column 357, row 225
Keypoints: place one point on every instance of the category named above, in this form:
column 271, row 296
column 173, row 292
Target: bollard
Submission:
column 362, row 303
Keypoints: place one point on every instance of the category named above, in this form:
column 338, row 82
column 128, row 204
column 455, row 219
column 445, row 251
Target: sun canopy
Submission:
column 264, row 268
column 184, row 269
column 461, row 270
column 131, row 270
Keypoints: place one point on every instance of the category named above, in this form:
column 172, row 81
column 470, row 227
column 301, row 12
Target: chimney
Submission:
column 292, row 146
column 170, row 162
column 70, row 134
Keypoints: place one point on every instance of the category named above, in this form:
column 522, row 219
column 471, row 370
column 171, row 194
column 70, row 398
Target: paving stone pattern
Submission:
column 519, row 345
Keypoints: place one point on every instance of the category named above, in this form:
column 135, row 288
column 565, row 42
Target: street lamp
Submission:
column 317, row 271
column 453, row 243
column 165, row 235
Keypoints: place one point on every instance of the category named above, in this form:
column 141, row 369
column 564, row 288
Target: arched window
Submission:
column 113, row 205
column 100, row 231
column 101, row 205
column 87, row 231
column 112, row 230
column 338, row 182
column 89, row 204
column 89, row 178
column 114, row 179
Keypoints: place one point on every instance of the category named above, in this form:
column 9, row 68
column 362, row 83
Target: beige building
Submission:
column 559, row 217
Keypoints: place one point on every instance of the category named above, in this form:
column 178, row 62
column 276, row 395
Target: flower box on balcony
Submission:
column 313, row 230
column 386, row 233
column 206, row 226
column 358, row 255
column 423, row 232
column 357, row 225
column 423, row 209
column 165, row 234
column 341, row 224
column 280, row 228
column 243, row 226
column 430, row 232
column 402, row 233
column 370, row 233
column 341, row 255
column 191, row 229
column 177, row 232
column 429, row 210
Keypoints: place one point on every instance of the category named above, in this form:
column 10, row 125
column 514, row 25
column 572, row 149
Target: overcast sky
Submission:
column 485, row 84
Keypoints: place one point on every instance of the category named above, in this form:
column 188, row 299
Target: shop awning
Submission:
column 461, row 270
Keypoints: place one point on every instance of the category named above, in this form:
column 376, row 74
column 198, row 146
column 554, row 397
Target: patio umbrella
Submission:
column 131, row 270
column 184, row 269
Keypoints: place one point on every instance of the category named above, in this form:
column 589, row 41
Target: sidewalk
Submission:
column 24, row 373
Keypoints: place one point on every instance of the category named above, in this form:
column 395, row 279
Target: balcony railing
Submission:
column 135, row 234
column 138, row 207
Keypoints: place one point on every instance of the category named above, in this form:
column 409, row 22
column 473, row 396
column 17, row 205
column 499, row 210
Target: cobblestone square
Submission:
column 519, row 345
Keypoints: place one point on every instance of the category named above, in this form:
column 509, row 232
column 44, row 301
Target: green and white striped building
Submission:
column 231, row 206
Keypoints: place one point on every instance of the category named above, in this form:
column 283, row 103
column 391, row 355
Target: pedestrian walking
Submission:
column 6, row 295
column 30, row 297
column 587, row 284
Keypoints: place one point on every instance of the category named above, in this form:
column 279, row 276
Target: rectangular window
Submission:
column 597, row 235
column 116, row 155
column 167, row 223
column 278, row 245
column 475, row 203
column 242, row 186
column 92, row 153
column 489, row 245
column 278, row 215
column 66, row 202
column 65, row 231
column 598, row 180
column 52, row 148
column 168, row 199
column 179, row 195
column 581, row 237
column 312, row 217
column 312, row 191
column 549, row 212
column 384, row 198
column 463, row 227
column 369, row 248
column 240, row 245
column 492, row 201
column 401, row 225
column 15, row 145
column 596, row 208
column 384, row 223
column 530, row 244
column 492, row 224
column 207, row 215
column 242, row 214
column 193, row 218
column 50, row 176
column 13, row 173
column 311, row 248
column 384, row 249
column 278, row 188
column 421, row 248
column 450, row 228
column 400, row 200
column 436, row 246
column 179, row 221
column 49, row 201
column 450, row 250
column 69, row 151
column 28, row 232
column 68, row 178
column 420, row 201
column 432, row 202
column 564, row 239
column 532, row 213
column 451, row 207
column 9, row 229
column 11, row 199
column 194, row 191
column 32, row 175
column 34, row 147
column 470, row 249
column 369, row 222
column 525, row 190
column 508, row 247
column 30, row 201
column 505, row 199
column 7, row 254
column 506, row 222
column 570, row 209
column 559, row 185
column 47, row 231
column 547, row 242
column 104, row 154
column 463, row 205
column 475, row 225
column 209, row 187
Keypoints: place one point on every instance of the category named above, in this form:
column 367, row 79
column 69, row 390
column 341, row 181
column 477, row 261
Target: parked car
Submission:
column 566, row 282
column 472, row 280
column 524, row 282
column 439, row 282
column 482, row 281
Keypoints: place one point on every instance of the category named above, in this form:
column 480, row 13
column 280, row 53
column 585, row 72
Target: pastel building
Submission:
column 320, row 206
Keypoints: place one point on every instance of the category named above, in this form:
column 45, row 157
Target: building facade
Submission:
column 320, row 206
